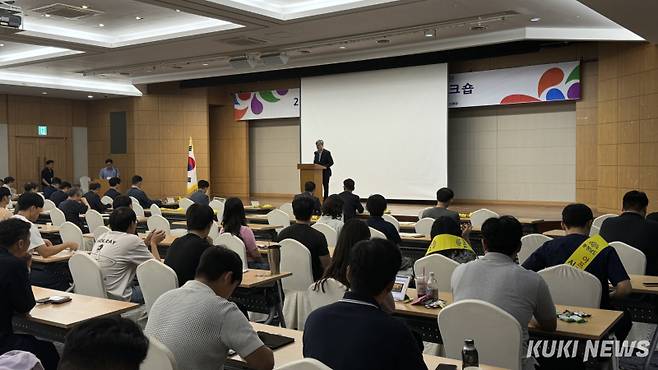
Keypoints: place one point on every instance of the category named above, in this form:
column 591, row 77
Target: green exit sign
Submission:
column 42, row 130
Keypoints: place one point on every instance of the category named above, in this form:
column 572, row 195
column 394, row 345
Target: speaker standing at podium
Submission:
column 323, row 158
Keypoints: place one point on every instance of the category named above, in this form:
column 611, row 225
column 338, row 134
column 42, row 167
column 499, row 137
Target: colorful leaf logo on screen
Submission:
column 551, row 83
column 255, row 102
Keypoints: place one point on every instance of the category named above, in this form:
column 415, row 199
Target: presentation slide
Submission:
column 386, row 129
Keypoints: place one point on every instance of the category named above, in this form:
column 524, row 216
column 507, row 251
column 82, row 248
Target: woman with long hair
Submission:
column 332, row 212
column 235, row 222
column 353, row 232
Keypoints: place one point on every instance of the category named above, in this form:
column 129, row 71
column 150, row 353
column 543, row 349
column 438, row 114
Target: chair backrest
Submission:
column 99, row 231
column 420, row 213
column 633, row 259
column 155, row 210
column 599, row 220
column 440, row 265
column 329, row 233
column 84, row 183
column 158, row 357
column 134, row 200
column 287, row 208
column 296, row 258
column 374, row 233
column 87, row 276
column 392, row 220
column 305, row 364
column 572, row 287
column 530, row 243
column 185, row 203
column 333, row 292
column 233, row 243
column 594, row 230
column 478, row 217
column 48, row 205
column 157, row 222
column 214, row 231
column 107, row 200
column 424, row 226
column 139, row 210
column 218, row 207
column 277, row 217
column 94, row 219
column 155, row 278
column 486, row 324
column 71, row 233
column 57, row 216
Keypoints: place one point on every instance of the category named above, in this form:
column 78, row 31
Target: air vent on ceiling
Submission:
column 243, row 41
column 66, row 11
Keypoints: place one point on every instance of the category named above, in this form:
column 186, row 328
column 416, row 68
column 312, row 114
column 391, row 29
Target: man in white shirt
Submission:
column 120, row 251
column 497, row 279
column 199, row 324
column 29, row 206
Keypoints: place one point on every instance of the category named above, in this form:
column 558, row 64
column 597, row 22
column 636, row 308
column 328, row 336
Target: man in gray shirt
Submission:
column 201, row 195
column 497, row 279
column 444, row 198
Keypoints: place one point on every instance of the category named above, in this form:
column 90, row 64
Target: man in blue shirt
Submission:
column 606, row 266
column 109, row 171
column 376, row 205
column 358, row 332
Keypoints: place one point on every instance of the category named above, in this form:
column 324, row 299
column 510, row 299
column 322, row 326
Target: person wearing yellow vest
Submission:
column 447, row 240
column 591, row 254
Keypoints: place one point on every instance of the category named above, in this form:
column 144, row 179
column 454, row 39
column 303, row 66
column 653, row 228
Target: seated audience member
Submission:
column 606, row 265
column 444, row 198
column 199, row 324
column 376, row 205
column 31, row 187
column 17, row 296
column 120, row 251
column 632, row 228
column 355, row 231
column 357, row 332
column 9, row 183
column 201, row 195
column 312, row 239
column 136, row 192
column 5, row 198
column 113, row 191
column 74, row 206
column 61, row 194
column 111, row 343
column 122, row 201
column 497, row 279
column 184, row 254
column 235, row 222
column 309, row 188
column 447, row 240
column 94, row 199
column 48, row 190
column 332, row 212
column 351, row 202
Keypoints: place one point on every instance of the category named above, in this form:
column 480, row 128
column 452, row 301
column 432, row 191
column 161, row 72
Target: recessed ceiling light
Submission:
column 177, row 10
column 342, row 47
column 84, row 6
column 429, row 33
column 101, row 25
column 139, row 18
column 47, row 15
column 205, row 64
column 535, row 19
column 90, row 96
column 44, row 93
column 1, row 45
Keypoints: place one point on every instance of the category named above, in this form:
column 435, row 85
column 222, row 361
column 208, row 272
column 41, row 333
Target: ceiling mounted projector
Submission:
column 276, row 59
column 243, row 62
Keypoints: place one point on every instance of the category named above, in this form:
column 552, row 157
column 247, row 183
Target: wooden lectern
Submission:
column 311, row 172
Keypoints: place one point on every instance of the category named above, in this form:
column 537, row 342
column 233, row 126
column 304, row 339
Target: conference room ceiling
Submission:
column 121, row 43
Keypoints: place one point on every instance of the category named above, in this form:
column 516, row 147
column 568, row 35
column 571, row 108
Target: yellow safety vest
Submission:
column 586, row 252
column 446, row 242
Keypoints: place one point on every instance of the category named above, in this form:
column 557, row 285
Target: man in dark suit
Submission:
column 309, row 188
column 113, row 191
column 94, row 199
column 351, row 202
column 60, row 194
column 632, row 228
column 323, row 158
column 136, row 192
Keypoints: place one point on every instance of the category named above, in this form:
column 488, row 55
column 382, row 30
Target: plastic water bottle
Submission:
column 470, row 359
column 433, row 286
